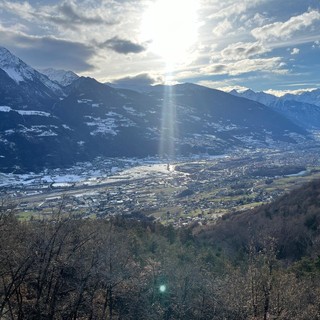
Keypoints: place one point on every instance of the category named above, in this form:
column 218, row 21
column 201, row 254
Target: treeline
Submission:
column 120, row 268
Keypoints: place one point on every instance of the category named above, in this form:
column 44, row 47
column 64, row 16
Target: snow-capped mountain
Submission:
column 262, row 97
column 64, row 78
column 310, row 97
column 40, row 128
column 20, row 72
column 302, row 109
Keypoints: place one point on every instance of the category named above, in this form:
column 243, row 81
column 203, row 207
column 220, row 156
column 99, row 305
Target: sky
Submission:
column 265, row 45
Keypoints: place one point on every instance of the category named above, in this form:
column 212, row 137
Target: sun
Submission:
column 170, row 26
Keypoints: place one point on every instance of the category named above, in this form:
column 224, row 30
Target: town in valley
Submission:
column 180, row 192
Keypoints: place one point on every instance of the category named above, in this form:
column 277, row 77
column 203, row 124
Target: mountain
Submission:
column 294, row 107
column 262, row 97
column 310, row 97
column 44, row 124
column 108, row 121
column 22, row 86
column 31, row 137
column 21, row 73
column 223, row 120
column 62, row 77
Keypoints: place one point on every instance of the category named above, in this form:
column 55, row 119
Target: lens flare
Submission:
column 162, row 288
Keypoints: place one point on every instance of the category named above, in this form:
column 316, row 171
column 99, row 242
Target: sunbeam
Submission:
column 169, row 130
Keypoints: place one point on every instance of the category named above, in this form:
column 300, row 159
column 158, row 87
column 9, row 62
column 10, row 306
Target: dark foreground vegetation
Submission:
column 262, row 264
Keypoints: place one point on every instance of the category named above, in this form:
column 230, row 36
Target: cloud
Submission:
column 244, row 38
column 280, row 93
column 274, row 65
column 216, row 69
column 68, row 14
column 222, row 28
column 122, row 46
column 295, row 51
column 69, row 10
column 234, row 9
column 222, row 85
column 285, row 30
column 241, row 50
column 259, row 19
column 43, row 52
column 138, row 82
column 24, row 9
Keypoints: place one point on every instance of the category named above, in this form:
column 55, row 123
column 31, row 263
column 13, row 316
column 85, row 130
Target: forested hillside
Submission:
column 293, row 222
column 262, row 264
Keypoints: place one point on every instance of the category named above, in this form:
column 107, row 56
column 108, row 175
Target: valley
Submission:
column 75, row 145
column 190, row 189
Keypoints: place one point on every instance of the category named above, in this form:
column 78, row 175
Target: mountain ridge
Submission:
column 19, row 71
column 295, row 108
column 62, row 77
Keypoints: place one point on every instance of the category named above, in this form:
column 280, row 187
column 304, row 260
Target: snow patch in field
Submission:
column 103, row 126
column 85, row 101
column 129, row 109
column 25, row 112
column 5, row 109
column 47, row 134
column 33, row 113
column 39, row 131
column 61, row 185
column 113, row 114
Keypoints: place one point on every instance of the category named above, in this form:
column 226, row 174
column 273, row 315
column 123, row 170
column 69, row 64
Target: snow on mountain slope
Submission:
column 64, row 78
column 311, row 97
column 20, row 72
column 25, row 112
column 14, row 67
column 262, row 97
column 303, row 109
